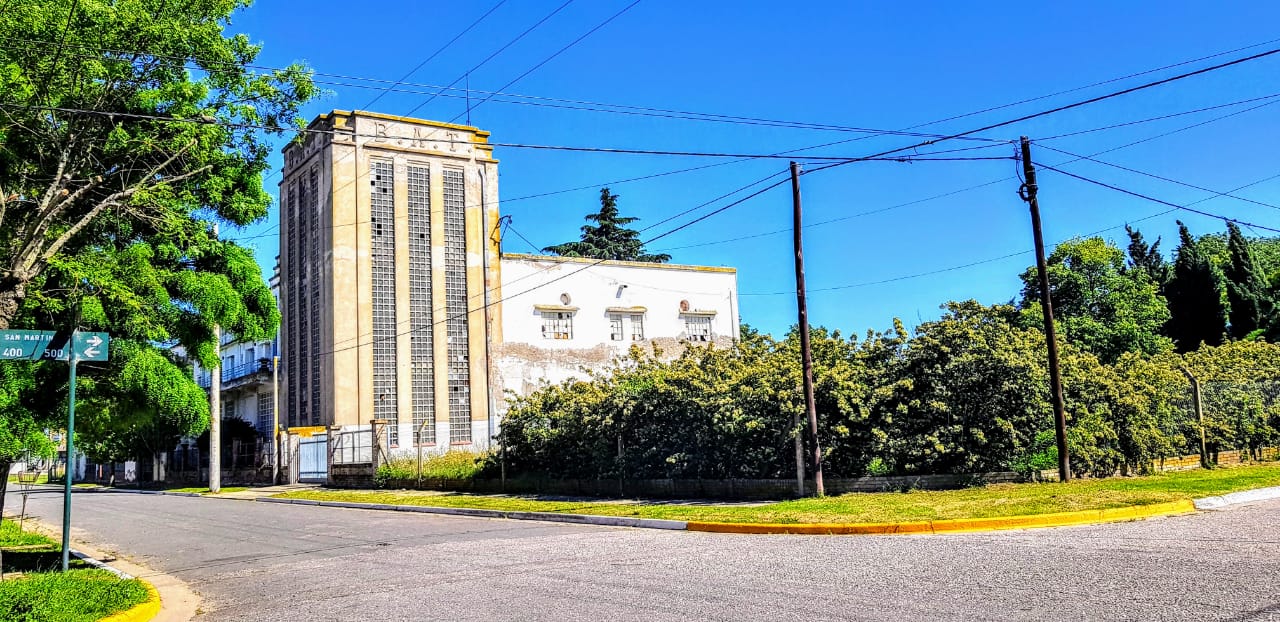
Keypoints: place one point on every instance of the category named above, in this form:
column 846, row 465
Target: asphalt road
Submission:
column 259, row 561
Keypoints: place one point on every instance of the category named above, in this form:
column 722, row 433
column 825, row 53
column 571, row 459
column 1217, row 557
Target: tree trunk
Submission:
column 12, row 291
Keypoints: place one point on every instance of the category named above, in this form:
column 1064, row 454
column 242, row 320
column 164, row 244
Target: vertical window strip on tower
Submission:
column 301, row 373
column 317, row 277
column 421, row 352
column 456, row 301
column 383, row 255
column 291, row 308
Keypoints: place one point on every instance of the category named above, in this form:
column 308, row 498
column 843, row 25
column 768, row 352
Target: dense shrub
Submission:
column 967, row 393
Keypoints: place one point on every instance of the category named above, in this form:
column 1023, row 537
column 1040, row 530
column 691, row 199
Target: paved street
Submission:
column 258, row 561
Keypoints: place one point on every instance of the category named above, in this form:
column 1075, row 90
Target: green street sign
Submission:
column 34, row 345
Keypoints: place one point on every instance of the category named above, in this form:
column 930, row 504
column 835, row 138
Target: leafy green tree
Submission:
column 609, row 237
column 1250, row 301
column 122, row 142
column 1099, row 305
column 1196, row 312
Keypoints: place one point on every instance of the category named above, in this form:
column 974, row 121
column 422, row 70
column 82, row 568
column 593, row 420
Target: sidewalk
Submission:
column 177, row 602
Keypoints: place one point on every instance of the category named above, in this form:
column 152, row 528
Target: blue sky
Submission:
column 883, row 65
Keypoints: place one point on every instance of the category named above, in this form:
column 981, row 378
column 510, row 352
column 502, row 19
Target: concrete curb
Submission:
column 1033, row 521
column 139, row 613
column 552, row 517
column 142, row 612
column 1235, row 498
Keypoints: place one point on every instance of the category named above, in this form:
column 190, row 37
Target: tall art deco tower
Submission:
column 389, row 268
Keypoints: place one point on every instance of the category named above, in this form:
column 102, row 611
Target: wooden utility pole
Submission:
column 1199, row 405
column 806, row 355
column 1028, row 193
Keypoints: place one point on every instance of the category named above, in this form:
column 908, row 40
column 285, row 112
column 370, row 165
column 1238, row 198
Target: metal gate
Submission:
column 313, row 459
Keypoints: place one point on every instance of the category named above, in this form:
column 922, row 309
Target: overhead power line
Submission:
column 436, row 53
column 1160, row 177
column 1160, row 118
column 573, row 104
column 1139, row 195
column 496, row 52
column 612, row 150
column 1043, row 113
column 566, row 275
column 546, row 60
column 1010, row 255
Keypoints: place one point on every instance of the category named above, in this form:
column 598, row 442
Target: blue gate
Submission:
column 313, row 459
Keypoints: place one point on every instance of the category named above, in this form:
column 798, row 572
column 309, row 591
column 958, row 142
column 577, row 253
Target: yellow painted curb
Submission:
column 1060, row 519
column 139, row 613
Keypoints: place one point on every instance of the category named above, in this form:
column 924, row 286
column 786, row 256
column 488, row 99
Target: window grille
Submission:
column 382, row 251
column 303, row 375
column 637, row 327
column 291, row 299
column 557, row 325
column 421, row 352
column 228, row 409
column 615, row 327
column 456, row 303
column 316, row 278
column 697, row 327
column 265, row 401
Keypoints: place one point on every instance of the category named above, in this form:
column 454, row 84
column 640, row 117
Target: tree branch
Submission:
column 110, row 201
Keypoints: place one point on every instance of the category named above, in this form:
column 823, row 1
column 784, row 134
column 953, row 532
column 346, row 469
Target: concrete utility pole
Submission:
column 71, row 444
column 806, row 355
column 275, row 419
column 1195, row 394
column 1028, row 193
column 215, row 417
column 215, row 408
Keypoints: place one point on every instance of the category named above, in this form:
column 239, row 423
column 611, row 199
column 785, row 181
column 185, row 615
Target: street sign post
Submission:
column 71, row 346
column 35, row 345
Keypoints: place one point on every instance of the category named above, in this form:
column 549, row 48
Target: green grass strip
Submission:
column 978, row 502
column 74, row 596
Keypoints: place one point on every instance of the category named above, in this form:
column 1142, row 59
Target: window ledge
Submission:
column 561, row 308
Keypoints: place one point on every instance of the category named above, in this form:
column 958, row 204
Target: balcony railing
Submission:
column 230, row 374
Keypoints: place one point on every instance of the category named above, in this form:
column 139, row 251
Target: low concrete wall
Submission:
column 352, row 475
column 752, row 489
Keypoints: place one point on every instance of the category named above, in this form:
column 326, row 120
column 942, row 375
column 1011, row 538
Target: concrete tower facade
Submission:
column 389, row 263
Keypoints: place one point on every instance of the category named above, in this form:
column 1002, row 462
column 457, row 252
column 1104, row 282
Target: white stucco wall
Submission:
column 664, row 294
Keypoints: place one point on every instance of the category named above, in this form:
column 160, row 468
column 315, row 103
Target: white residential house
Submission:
column 562, row 315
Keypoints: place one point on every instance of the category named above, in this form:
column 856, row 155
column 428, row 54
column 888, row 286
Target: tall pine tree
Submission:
column 1247, row 292
column 1147, row 258
column 1195, row 299
column 609, row 238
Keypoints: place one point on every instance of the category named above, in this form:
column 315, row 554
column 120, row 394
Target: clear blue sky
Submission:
column 876, row 65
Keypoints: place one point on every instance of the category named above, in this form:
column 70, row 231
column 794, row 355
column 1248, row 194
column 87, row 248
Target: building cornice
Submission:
column 613, row 262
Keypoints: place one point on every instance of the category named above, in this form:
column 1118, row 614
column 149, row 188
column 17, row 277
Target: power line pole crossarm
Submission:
column 806, row 354
column 1028, row 192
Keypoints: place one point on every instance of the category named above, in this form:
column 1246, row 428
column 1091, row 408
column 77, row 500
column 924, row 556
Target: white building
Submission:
column 563, row 314
column 246, row 369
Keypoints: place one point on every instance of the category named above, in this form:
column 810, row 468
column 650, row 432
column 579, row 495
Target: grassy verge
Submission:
column 42, row 478
column 205, row 490
column 978, row 502
column 35, row 591
column 75, row 596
